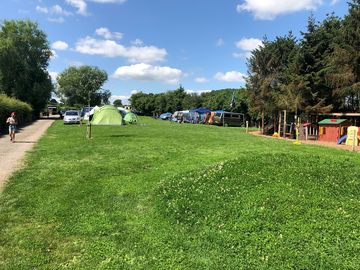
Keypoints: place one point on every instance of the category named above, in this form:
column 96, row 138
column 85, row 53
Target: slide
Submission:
column 342, row 139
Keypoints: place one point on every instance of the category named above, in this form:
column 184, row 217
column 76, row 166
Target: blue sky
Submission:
column 153, row 46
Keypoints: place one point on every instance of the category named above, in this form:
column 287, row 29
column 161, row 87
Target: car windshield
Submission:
column 87, row 109
column 72, row 113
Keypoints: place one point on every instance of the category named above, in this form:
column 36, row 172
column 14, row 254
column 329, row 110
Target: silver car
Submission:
column 72, row 117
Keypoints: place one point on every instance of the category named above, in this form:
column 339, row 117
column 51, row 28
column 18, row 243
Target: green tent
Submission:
column 107, row 115
column 131, row 118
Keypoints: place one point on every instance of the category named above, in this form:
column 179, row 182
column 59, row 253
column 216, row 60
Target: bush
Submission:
column 8, row 105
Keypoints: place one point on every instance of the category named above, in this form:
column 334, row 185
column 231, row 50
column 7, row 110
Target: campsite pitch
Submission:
column 180, row 196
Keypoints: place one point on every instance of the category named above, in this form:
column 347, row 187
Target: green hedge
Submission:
column 8, row 105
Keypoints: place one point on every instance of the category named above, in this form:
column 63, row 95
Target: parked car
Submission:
column 61, row 113
column 72, row 117
column 229, row 119
column 85, row 113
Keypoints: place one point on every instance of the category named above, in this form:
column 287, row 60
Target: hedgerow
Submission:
column 8, row 105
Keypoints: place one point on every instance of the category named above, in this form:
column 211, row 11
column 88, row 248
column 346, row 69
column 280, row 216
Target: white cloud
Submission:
column 59, row 45
column 137, row 42
column 197, row 92
column 56, row 20
column 230, row 76
column 270, row 9
column 201, row 80
column 248, row 44
column 42, row 9
column 80, row 5
column 54, row 10
column 220, row 42
column 110, row 48
column 105, row 33
column 53, row 75
column 146, row 54
column 53, row 54
column 333, row 2
column 145, row 72
column 124, row 99
column 59, row 10
column 133, row 92
column 74, row 63
column 119, row 97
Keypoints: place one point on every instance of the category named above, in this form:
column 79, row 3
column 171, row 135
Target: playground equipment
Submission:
column 331, row 130
column 342, row 139
column 297, row 121
column 353, row 136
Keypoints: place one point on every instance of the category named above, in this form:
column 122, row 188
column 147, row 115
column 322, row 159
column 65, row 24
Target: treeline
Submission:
column 234, row 100
column 315, row 74
column 318, row 73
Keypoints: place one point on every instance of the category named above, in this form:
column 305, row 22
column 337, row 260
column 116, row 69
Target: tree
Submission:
column 82, row 85
column 143, row 103
column 316, row 47
column 344, row 63
column 24, row 58
column 117, row 103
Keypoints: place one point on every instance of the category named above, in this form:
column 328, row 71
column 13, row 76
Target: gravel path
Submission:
column 12, row 154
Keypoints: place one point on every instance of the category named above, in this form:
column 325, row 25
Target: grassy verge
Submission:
column 169, row 196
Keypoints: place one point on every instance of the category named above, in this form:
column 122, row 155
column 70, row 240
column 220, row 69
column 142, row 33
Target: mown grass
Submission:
column 169, row 196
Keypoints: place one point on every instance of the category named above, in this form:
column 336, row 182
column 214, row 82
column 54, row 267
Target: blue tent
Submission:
column 201, row 110
column 165, row 116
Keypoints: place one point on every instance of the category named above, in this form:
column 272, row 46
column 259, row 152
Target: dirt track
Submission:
column 12, row 154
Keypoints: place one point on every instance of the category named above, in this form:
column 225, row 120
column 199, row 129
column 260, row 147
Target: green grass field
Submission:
column 173, row 196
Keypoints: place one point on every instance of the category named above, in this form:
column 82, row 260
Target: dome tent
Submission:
column 107, row 115
column 131, row 118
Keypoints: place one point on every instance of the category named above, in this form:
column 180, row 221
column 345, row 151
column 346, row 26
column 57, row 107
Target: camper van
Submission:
column 229, row 119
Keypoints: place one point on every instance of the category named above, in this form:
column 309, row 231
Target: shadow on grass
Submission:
column 121, row 136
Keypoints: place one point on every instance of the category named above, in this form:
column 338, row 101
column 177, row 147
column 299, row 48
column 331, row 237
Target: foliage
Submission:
column 318, row 73
column 344, row 63
column 24, row 58
column 117, row 103
column 194, row 197
column 8, row 105
column 82, row 85
column 267, row 74
column 172, row 101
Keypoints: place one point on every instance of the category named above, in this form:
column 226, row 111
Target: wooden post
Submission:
column 274, row 123
column 247, row 126
column 284, row 130
column 306, row 133
column 262, row 122
column 88, row 131
column 279, row 127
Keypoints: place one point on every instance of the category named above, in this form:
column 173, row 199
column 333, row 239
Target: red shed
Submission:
column 330, row 130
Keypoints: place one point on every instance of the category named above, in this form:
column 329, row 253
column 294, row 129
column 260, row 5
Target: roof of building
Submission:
column 333, row 121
